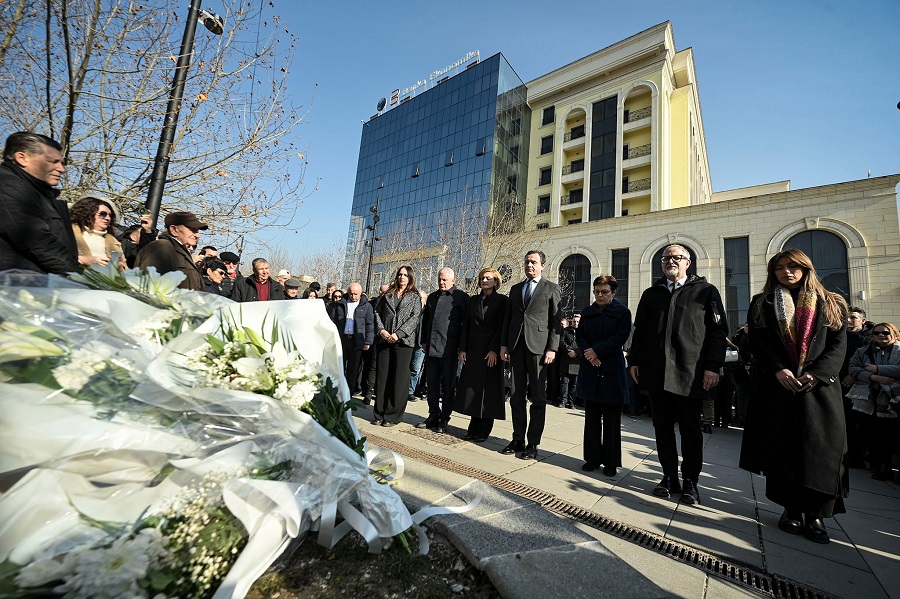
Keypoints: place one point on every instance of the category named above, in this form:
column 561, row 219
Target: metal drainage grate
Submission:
column 733, row 571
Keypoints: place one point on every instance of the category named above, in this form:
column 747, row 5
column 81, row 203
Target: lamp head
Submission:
column 212, row 22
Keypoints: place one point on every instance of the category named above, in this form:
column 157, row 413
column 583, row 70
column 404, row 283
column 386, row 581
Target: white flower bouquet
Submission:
column 179, row 463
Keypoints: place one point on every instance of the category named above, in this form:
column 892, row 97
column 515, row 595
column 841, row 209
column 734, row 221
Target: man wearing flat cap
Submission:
column 172, row 251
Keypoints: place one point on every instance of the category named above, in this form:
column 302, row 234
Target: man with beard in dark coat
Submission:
column 677, row 353
column 35, row 230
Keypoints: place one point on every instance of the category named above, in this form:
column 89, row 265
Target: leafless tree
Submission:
column 95, row 74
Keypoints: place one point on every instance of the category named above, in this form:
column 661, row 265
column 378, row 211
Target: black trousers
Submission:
column 440, row 374
column 367, row 372
column 603, row 433
column 352, row 360
column 528, row 371
column 392, row 381
column 669, row 408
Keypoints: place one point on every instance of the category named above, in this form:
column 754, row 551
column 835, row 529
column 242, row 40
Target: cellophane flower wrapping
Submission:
column 134, row 464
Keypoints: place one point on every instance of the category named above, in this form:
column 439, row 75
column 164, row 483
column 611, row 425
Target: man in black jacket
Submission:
column 35, row 230
column 677, row 352
column 356, row 325
column 442, row 322
column 258, row 288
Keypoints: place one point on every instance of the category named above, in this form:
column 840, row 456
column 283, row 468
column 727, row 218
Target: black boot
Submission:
column 814, row 529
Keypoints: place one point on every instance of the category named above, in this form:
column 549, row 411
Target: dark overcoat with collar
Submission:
column 402, row 319
column 441, row 339
column 677, row 336
column 167, row 254
column 363, row 321
column 244, row 290
column 481, row 392
column 35, row 230
column 797, row 437
column 537, row 326
column 605, row 331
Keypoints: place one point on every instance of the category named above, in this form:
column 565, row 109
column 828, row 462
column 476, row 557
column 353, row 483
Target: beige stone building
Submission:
column 855, row 224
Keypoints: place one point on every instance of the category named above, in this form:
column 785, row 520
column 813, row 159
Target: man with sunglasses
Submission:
column 172, row 251
column 677, row 353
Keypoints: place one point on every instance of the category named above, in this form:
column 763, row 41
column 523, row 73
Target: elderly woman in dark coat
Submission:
column 397, row 315
column 602, row 384
column 480, row 392
column 795, row 432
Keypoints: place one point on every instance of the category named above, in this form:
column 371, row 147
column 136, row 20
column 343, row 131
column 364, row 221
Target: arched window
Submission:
column 575, row 283
column 657, row 265
column 829, row 255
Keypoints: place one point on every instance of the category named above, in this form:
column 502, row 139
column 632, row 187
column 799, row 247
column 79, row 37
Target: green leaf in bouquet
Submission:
column 256, row 340
column 31, row 371
column 217, row 344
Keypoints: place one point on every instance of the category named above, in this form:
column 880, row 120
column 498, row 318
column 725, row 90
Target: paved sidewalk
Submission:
column 735, row 521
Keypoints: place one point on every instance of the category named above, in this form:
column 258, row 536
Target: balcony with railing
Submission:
column 637, row 119
column 633, row 156
column 574, row 171
column 575, row 196
column 635, row 188
column 574, row 138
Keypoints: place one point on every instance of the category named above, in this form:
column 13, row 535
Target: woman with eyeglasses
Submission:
column 876, row 394
column 214, row 272
column 92, row 218
column 602, row 383
column 795, row 432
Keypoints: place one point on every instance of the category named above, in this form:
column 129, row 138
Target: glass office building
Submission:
column 441, row 167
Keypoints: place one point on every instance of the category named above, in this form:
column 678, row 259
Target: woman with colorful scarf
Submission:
column 795, row 432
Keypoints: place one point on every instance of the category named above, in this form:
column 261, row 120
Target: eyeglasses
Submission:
column 104, row 214
column 673, row 258
column 882, row 333
column 221, row 272
column 602, row 291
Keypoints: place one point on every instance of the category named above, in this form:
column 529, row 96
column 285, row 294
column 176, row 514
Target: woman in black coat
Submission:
column 795, row 431
column 480, row 392
column 602, row 383
column 397, row 314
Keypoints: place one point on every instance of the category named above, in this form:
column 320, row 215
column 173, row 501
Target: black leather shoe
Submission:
column 689, row 493
column 428, row 423
column 441, row 427
column 609, row 471
column 707, row 428
column 529, row 453
column 589, row 466
column 412, row 398
column 791, row 523
column 377, row 421
column 814, row 530
column 667, row 486
column 470, row 436
column 513, row 447
column 389, row 424
column 479, row 439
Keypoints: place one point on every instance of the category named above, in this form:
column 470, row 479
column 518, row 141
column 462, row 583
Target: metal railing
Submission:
column 574, row 134
column 575, row 167
column 573, row 198
column 637, row 115
column 636, row 185
column 638, row 151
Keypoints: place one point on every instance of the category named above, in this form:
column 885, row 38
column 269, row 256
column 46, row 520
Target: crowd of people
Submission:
column 815, row 386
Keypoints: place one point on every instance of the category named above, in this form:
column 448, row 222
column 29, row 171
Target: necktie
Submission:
column 529, row 289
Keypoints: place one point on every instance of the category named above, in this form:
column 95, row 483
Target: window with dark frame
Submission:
column 620, row 272
column 546, row 145
column 549, row 115
column 737, row 281
column 546, row 176
column 543, row 204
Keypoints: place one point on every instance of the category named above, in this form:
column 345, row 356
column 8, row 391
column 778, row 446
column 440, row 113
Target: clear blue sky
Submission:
column 804, row 90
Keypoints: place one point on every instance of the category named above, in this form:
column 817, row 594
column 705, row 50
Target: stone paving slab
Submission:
column 584, row 571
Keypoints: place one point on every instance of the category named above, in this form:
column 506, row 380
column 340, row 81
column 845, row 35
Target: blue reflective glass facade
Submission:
column 439, row 166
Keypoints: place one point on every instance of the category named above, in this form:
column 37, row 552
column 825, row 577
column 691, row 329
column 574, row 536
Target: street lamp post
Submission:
column 373, row 228
column 161, row 165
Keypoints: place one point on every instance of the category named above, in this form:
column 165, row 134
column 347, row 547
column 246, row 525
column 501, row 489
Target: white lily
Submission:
column 20, row 343
column 249, row 367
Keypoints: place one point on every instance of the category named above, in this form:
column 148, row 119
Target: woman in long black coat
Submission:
column 397, row 315
column 602, row 384
column 795, row 431
column 480, row 392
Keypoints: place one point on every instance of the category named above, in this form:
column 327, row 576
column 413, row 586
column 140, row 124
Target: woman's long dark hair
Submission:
column 410, row 287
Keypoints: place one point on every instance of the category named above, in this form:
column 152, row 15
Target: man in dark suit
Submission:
column 442, row 321
column 677, row 352
column 529, row 340
column 356, row 325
